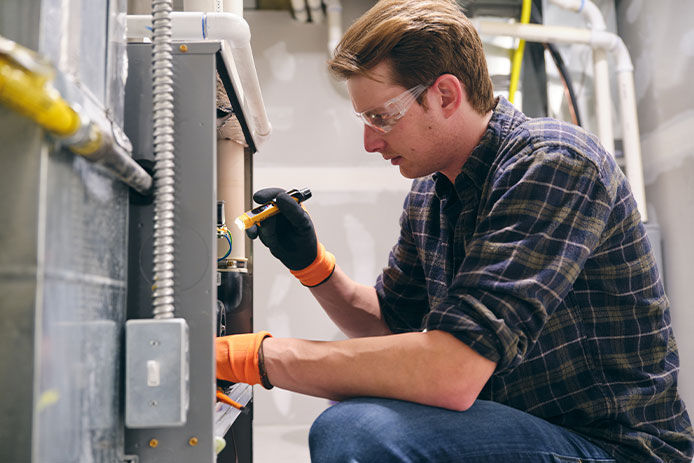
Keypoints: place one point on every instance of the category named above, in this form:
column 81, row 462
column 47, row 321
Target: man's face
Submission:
column 411, row 142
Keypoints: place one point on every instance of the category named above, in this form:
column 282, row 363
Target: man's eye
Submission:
column 379, row 118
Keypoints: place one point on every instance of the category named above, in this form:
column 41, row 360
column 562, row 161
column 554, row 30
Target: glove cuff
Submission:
column 237, row 357
column 319, row 271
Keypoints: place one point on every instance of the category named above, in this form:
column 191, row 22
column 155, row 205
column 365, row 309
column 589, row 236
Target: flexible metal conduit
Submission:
column 164, row 172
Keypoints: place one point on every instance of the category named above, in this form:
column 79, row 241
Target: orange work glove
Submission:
column 238, row 361
column 320, row 269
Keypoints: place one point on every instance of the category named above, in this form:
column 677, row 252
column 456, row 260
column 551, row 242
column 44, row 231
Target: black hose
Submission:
column 536, row 17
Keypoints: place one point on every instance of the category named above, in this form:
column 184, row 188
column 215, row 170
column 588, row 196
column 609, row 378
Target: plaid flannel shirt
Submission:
column 537, row 259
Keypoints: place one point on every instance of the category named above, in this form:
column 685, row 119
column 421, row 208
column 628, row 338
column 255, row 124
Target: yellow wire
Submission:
column 518, row 53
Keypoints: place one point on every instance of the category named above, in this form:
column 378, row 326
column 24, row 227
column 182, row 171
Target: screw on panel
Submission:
column 193, row 441
column 153, row 443
column 183, row 48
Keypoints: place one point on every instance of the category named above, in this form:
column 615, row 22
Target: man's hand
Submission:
column 289, row 235
column 238, row 360
column 291, row 238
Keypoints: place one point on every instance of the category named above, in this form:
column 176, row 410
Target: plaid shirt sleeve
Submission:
column 542, row 219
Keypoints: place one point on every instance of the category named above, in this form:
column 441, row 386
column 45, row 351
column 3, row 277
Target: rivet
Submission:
column 153, row 443
column 193, row 441
column 183, row 48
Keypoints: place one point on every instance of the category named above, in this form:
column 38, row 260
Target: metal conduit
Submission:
column 164, row 172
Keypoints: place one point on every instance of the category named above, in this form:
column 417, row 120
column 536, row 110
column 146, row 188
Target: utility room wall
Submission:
column 660, row 37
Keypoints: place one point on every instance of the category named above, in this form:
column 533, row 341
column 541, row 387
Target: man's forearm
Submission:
column 432, row 368
column 353, row 307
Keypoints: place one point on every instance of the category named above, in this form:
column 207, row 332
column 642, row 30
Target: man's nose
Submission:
column 373, row 140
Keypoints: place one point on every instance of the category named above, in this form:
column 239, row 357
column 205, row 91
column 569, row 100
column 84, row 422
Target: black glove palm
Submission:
column 289, row 235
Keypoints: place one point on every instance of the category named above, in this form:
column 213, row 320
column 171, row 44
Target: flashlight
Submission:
column 262, row 212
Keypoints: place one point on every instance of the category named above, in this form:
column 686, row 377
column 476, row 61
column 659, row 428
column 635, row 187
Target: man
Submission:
column 521, row 314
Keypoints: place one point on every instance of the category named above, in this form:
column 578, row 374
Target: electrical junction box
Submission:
column 156, row 373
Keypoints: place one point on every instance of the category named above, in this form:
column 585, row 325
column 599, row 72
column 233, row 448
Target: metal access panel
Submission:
column 195, row 241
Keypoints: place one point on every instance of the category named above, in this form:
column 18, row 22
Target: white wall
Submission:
column 660, row 37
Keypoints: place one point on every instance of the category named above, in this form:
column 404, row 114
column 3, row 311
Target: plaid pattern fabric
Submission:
column 536, row 258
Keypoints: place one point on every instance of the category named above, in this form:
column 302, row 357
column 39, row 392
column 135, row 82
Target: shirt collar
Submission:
column 505, row 118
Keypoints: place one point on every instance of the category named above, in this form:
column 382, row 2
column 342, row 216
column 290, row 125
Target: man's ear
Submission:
column 450, row 93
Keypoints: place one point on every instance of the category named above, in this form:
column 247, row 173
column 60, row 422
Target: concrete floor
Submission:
column 280, row 443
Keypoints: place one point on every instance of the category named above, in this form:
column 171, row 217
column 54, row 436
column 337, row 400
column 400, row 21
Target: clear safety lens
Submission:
column 384, row 117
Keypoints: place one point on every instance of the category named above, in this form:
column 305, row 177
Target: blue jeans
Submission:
column 366, row 430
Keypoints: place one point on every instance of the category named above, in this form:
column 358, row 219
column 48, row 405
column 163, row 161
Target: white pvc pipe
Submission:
column 534, row 32
column 587, row 8
column 603, row 97
column 316, row 9
column 333, row 9
column 233, row 30
column 245, row 66
column 230, row 188
column 631, row 137
column 625, row 80
column 300, row 11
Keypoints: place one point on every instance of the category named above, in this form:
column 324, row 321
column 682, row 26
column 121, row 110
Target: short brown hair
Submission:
column 422, row 39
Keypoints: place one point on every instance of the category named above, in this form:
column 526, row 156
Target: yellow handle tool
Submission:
column 262, row 212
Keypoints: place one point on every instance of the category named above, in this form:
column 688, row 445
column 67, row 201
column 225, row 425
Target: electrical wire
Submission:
column 566, row 81
column 565, row 76
column 224, row 231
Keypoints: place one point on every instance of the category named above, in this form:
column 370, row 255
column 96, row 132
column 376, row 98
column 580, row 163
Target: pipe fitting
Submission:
column 233, row 28
column 235, row 35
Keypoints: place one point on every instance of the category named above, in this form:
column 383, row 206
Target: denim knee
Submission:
column 364, row 430
column 354, row 431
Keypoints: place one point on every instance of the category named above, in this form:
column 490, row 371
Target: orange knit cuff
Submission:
column 320, row 269
column 237, row 357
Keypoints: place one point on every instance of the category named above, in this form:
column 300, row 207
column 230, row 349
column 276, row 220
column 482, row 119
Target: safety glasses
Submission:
column 385, row 116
